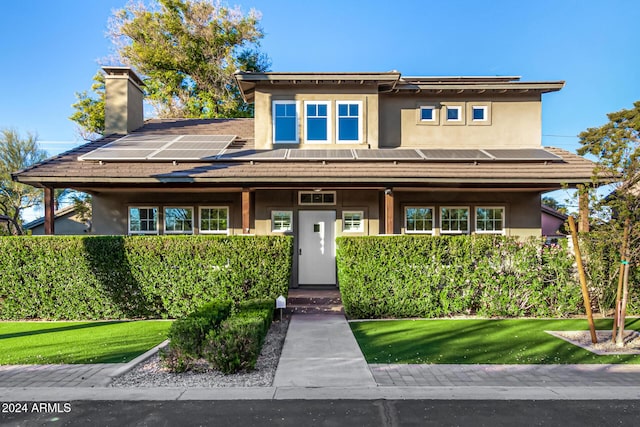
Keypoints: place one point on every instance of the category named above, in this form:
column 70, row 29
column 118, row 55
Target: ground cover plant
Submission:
column 479, row 341
column 78, row 342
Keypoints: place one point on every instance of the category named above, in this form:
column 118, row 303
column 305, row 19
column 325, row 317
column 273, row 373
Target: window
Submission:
column 479, row 113
column 178, row 220
column 281, row 221
column 352, row 221
column 285, row 122
column 418, row 219
column 143, row 220
column 490, row 220
column 317, row 121
column 427, row 114
column 454, row 220
column 214, row 219
column 454, row 113
column 317, row 198
column 349, row 121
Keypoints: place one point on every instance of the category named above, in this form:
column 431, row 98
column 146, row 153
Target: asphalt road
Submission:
column 303, row 413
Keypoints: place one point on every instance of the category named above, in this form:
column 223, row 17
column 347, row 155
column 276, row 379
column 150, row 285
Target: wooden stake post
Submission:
column 583, row 280
column 618, row 306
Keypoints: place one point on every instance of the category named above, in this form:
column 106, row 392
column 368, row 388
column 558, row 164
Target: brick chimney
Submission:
column 123, row 105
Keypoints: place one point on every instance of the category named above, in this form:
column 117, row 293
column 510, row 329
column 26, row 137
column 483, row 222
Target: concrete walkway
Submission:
column 320, row 351
column 98, row 375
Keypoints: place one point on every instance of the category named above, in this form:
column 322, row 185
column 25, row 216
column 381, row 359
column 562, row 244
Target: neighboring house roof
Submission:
column 58, row 214
column 65, row 170
column 550, row 211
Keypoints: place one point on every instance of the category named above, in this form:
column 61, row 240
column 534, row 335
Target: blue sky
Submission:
column 51, row 49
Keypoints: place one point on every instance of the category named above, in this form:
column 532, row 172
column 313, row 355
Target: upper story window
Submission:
column 428, row 114
column 349, row 121
column 317, row 198
column 285, row 122
column 316, row 121
column 479, row 113
column 178, row 220
column 143, row 220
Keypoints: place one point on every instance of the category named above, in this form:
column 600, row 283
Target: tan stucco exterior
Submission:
column 123, row 104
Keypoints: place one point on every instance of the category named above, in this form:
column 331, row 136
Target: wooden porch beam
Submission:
column 246, row 211
column 49, row 211
column 388, row 211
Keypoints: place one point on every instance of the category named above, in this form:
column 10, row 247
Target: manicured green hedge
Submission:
column 426, row 276
column 113, row 277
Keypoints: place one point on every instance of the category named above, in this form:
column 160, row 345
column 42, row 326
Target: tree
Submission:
column 616, row 144
column 17, row 153
column 89, row 114
column 187, row 52
column 554, row 204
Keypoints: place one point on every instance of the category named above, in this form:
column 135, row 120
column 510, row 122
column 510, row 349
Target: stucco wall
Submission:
column 67, row 225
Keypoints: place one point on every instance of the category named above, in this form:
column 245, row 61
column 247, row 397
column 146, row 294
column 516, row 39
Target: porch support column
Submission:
column 583, row 209
column 246, row 211
column 388, row 211
column 49, row 211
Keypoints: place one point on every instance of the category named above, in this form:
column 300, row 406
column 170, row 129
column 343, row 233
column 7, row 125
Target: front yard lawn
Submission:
column 78, row 342
column 479, row 341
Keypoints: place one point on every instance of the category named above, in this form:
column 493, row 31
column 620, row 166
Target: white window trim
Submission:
column 157, row 230
column 360, row 229
column 485, row 111
column 273, row 121
column 281, row 211
column 164, row 219
column 453, row 107
column 222, row 232
column 300, row 193
column 306, row 137
column 475, row 220
column 433, row 220
column 433, row 114
column 360, row 116
column 469, row 219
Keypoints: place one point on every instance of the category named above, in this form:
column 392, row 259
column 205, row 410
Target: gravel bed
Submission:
column 151, row 373
column 604, row 344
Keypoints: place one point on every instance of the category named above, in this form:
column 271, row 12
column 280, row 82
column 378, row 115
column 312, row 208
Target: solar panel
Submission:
column 523, row 154
column 277, row 154
column 170, row 154
column 309, row 154
column 134, row 143
column 207, row 138
column 181, row 145
column 117, row 154
column 388, row 154
column 453, row 154
column 148, row 137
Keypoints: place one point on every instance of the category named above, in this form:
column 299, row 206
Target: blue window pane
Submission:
column 353, row 110
column 478, row 114
column 348, row 129
column 280, row 110
column 285, row 129
column 317, row 129
column 343, row 109
column 452, row 114
column 290, row 110
column 322, row 110
column 311, row 110
column 426, row 114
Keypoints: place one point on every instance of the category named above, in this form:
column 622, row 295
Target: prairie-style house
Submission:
column 327, row 155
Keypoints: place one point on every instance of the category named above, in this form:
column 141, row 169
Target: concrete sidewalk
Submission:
column 321, row 360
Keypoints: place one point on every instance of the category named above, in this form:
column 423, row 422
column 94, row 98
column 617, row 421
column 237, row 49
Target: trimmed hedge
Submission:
column 188, row 333
column 116, row 277
column 435, row 276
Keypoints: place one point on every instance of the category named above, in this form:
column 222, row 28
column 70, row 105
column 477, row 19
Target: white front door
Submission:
column 316, row 248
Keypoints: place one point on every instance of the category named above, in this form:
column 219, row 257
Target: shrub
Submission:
column 117, row 277
column 237, row 344
column 431, row 276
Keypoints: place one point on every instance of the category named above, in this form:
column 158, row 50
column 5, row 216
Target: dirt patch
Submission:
column 604, row 345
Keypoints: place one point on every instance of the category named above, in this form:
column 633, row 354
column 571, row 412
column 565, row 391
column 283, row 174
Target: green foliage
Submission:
column 17, row 153
column 237, row 344
column 420, row 276
column 89, row 110
column 188, row 51
column 188, row 333
column 114, row 277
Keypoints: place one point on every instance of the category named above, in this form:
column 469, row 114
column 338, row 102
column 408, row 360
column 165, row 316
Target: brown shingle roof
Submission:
column 66, row 171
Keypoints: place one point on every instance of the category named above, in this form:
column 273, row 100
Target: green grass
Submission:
column 78, row 342
column 471, row 341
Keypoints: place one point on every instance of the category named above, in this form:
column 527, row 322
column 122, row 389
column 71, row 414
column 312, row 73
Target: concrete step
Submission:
column 306, row 301
column 314, row 309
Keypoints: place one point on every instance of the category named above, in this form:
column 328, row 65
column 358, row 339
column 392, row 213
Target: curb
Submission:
column 132, row 364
